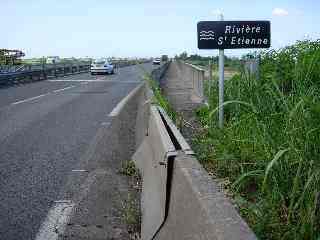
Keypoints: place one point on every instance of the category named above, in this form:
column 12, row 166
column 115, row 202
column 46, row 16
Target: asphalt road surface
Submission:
column 45, row 128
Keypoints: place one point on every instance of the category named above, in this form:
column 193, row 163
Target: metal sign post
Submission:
column 221, row 82
column 231, row 35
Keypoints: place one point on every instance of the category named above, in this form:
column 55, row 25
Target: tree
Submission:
column 183, row 55
column 164, row 58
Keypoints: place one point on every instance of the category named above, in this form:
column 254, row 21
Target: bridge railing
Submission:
column 32, row 72
column 36, row 72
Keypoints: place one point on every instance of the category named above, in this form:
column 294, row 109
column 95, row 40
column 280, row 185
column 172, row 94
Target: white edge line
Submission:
column 115, row 112
column 79, row 170
column 55, row 223
column 29, row 99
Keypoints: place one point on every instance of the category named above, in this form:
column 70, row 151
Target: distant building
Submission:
column 52, row 59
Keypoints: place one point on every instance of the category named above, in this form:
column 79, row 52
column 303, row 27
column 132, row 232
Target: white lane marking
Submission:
column 105, row 123
column 123, row 102
column 63, row 201
column 79, row 170
column 29, row 99
column 62, row 89
column 55, row 222
column 42, row 95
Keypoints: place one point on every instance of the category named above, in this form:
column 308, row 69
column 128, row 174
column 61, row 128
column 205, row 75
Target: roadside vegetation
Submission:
column 131, row 216
column 130, row 207
column 159, row 97
column 268, row 153
column 230, row 62
column 128, row 168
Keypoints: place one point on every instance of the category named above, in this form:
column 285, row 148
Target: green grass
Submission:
column 269, row 148
column 128, row 168
column 130, row 212
column 159, row 97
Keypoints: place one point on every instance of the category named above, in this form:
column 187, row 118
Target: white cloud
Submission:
column 280, row 12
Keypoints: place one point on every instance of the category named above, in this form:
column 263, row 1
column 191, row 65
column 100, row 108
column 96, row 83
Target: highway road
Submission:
column 45, row 129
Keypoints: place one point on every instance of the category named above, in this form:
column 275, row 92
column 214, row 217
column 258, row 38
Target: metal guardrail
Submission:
column 28, row 73
column 35, row 72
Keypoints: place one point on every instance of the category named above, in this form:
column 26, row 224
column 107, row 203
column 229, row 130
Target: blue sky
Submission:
column 139, row 28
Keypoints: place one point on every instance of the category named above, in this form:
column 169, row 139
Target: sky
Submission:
column 141, row 28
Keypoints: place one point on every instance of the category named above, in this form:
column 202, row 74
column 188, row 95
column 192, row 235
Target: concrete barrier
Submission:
column 183, row 85
column 153, row 158
column 179, row 199
column 197, row 75
column 198, row 209
column 123, row 121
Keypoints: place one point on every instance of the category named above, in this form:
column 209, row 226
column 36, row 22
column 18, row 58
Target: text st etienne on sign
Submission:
column 233, row 34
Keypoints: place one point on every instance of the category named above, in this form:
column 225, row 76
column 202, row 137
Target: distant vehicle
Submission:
column 52, row 60
column 156, row 61
column 102, row 66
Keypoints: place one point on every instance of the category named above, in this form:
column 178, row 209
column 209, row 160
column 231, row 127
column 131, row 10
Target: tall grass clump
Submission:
column 269, row 149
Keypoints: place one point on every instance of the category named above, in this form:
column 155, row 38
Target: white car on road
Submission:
column 102, row 66
column 156, row 61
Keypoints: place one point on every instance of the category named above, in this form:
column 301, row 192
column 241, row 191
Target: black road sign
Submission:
column 233, row 34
